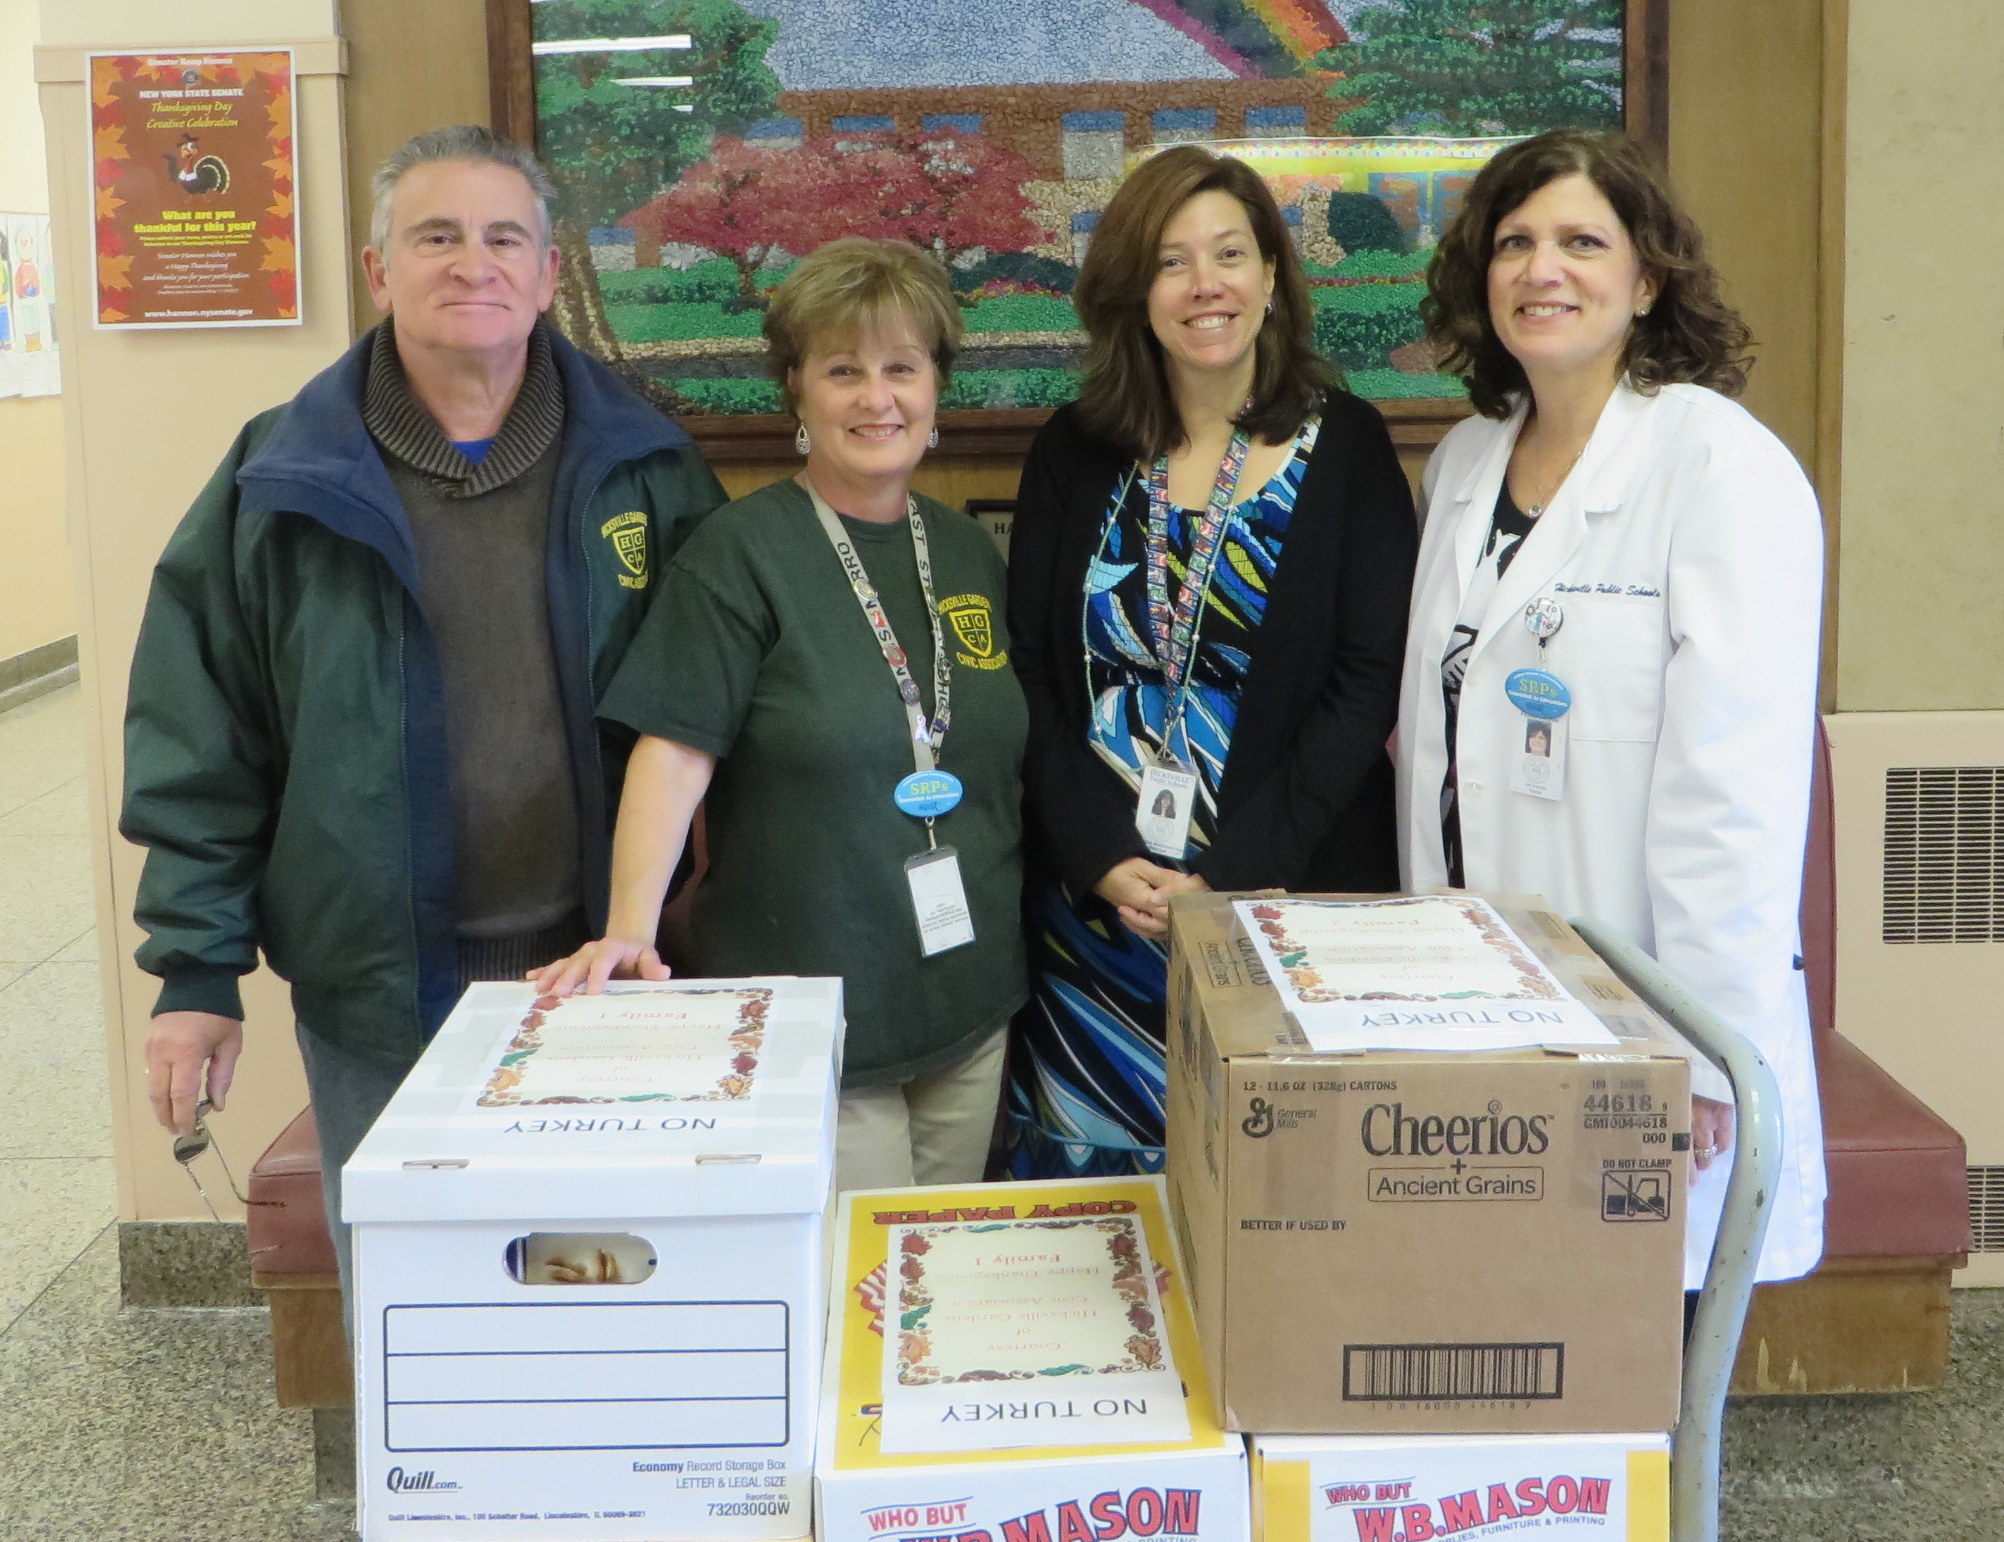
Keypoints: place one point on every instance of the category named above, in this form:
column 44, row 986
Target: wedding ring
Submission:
column 1705, row 1151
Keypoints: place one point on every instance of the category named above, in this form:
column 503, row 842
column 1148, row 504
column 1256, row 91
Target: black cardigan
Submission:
column 1306, row 801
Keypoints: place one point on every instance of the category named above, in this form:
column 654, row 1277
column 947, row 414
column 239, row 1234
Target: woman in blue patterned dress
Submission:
column 1209, row 571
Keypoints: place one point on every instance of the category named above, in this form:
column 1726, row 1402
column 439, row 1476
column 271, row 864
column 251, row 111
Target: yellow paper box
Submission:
column 1189, row 1489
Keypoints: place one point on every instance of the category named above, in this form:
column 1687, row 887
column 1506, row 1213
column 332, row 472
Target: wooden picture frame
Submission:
column 1417, row 422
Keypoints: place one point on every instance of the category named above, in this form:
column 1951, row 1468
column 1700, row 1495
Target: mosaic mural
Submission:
column 702, row 145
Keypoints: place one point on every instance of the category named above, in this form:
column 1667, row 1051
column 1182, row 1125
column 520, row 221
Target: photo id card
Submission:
column 1541, row 759
column 1163, row 810
column 939, row 900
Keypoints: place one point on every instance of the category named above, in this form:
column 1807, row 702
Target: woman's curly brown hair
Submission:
column 1689, row 334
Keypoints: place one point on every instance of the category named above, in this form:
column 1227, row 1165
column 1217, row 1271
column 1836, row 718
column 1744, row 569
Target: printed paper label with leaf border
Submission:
column 1434, row 972
column 1018, row 1333
column 643, row 1046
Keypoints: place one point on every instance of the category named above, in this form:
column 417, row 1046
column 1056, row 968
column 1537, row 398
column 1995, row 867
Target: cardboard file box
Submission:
column 1408, row 1242
column 588, row 1267
column 1027, row 1393
column 1415, row 1488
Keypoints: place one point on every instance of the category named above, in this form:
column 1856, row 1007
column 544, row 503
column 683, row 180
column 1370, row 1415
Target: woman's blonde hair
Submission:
column 839, row 291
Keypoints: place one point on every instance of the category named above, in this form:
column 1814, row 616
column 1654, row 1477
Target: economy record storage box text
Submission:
column 588, row 1269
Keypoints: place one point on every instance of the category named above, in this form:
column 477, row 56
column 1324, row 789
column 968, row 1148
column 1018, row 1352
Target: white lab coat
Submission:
column 1686, row 550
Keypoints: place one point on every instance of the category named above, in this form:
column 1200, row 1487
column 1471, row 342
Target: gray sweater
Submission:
column 481, row 533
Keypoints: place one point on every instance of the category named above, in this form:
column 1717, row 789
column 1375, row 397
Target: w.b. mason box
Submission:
column 1408, row 1242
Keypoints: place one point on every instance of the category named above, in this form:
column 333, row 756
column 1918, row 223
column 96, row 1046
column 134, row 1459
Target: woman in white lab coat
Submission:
column 1610, row 681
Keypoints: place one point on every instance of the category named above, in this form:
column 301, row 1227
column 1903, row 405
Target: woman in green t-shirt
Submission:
column 826, row 668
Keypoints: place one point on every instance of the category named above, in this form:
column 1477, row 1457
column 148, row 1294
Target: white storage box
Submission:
column 588, row 1269
column 1041, row 1380
column 1415, row 1488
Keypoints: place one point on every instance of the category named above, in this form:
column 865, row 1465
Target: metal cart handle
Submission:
column 1697, row 1446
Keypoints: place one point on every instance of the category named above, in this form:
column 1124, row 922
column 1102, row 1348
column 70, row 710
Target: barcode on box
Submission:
column 1385, row 1373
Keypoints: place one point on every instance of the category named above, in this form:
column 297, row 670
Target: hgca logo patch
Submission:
column 973, row 622
column 628, row 534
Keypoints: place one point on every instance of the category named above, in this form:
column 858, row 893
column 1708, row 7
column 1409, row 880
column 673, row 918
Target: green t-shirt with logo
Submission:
column 756, row 651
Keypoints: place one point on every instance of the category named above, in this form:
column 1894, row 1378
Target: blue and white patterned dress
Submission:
column 1086, row 1079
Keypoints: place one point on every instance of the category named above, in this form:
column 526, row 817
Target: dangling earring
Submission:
column 932, row 439
column 800, row 440
column 1269, row 307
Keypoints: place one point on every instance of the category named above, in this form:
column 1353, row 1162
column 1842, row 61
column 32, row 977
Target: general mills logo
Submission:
column 1259, row 1122
column 402, row 1482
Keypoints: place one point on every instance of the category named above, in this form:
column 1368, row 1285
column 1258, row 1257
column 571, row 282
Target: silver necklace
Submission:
column 1535, row 509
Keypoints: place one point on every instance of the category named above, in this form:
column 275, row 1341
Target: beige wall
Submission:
column 1923, row 454
column 41, row 606
column 1756, row 151
column 1746, row 137
column 145, row 418
column 411, row 67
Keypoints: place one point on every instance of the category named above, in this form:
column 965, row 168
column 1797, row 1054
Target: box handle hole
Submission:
column 580, row 1258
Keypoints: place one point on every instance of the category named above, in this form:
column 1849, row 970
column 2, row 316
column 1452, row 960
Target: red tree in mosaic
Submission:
column 749, row 203
column 951, row 194
column 973, row 196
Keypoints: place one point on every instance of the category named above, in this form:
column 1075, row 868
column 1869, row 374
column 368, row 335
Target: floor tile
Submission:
column 50, row 1208
column 155, row 1425
column 28, row 775
column 55, row 720
column 81, row 949
column 52, row 1041
column 64, row 810
column 45, row 894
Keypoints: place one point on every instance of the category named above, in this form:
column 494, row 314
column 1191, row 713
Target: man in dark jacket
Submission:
column 360, row 735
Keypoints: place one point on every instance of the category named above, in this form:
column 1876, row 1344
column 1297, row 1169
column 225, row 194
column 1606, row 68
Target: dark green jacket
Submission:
column 284, row 735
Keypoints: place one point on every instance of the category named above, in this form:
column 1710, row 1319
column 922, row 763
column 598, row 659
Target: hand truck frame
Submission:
column 1697, row 1444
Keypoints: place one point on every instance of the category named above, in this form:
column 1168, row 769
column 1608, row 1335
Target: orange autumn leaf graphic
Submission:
column 277, row 255
column 109, row 144
column 281, row 207
column 108, row 203
column 114, row 273
column 107, row 314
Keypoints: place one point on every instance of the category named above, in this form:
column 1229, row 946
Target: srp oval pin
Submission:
column 1538, row 693
column 928, row 794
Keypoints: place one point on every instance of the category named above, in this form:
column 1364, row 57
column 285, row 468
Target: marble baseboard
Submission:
column 184, row 1264
column 37, row 672
column 334, row 1454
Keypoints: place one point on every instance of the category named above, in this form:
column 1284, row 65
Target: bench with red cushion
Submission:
column 1874, row 1315
column 292, row 1261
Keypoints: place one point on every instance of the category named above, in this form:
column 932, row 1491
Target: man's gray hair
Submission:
column 461, row 142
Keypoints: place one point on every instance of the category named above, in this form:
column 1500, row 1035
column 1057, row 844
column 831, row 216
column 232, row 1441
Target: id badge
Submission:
column 939, row 900
column 1541, row 757
column 1162, row 811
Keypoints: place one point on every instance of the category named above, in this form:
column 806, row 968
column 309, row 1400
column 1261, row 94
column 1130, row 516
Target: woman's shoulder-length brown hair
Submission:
column 1690, row 335
column 1125, row 397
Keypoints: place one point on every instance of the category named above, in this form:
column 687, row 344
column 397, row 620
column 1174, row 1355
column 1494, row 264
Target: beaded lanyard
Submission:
column 1174, row 627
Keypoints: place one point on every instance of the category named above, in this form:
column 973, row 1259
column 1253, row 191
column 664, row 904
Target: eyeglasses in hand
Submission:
column 193, row 1144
